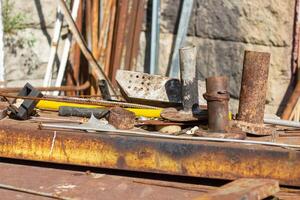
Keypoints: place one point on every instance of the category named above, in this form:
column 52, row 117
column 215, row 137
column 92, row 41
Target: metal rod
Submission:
column 254, row 87
column 187, row 6
column 159, row 135
column 82, row 87
column 281, row 122
column 188, row 77
column 118, row 41
column 81, row 101
column 96, row 69
column 67, row 46
column 155, row 33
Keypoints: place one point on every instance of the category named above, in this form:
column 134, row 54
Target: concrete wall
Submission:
column 221, row 29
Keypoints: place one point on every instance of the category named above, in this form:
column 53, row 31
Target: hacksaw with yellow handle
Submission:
column 54, row 105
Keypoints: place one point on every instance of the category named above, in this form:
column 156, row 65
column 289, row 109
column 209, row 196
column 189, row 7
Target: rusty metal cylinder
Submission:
column 217, row 97
column 188, row 77
column 254, row 87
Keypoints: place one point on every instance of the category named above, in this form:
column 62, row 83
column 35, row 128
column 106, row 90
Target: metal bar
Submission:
column 187, row 6
column 136, row 35
column 82, row 101
column 189, row 80
column 87, row 127
column 96, row 70
column 118, row 43
column 155, row 32
column 82, row 87
column 254, row 87
column 217, row 97
column 131, row 23
column 296, row 38
column 281, row 122
column 95, row 28
column 75, row 54
column 176, row 157
column 110, row 34
column 67, row 46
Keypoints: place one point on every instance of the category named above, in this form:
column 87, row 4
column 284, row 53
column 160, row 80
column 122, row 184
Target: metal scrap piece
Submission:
column 180, row 116
column 254, row 129
column 121, row 118
column 246, row 189
column 238, row 135
column 142, row 86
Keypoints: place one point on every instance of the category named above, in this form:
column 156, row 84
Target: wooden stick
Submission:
column 96, row 70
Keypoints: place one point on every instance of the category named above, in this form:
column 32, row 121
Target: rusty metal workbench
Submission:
column 23, row 140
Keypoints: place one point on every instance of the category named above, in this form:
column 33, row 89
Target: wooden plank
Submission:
column 244, row 189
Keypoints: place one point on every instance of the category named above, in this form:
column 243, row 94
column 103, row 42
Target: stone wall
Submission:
column 221, row 29
column 27, row 50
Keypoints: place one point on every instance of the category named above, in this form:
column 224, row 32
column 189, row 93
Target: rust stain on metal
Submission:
column 188, row 158
column 247, row 189
column 254, row 87
column 217, row 97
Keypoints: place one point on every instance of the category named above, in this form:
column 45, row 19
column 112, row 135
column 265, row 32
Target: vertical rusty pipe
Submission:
column 188, row 77
column 254, row 87
column 217, row 97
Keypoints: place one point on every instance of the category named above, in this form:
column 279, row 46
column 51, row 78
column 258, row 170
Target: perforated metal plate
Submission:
column 137, row 85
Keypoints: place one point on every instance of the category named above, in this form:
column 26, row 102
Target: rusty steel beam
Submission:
column 254, row 87
column 177, row 157
column 217, row 97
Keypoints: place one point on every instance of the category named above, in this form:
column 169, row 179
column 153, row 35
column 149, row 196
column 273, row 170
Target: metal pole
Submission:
column 188, row 77
column 155, row 32
column 187, row 7
column 67, row 46
column 217, row 97
column 254, row 87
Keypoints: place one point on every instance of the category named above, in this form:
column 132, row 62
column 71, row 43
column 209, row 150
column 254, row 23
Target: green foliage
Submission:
column 12, row 21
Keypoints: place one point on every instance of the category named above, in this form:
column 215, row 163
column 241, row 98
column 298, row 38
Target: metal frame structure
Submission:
column 156, row 155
